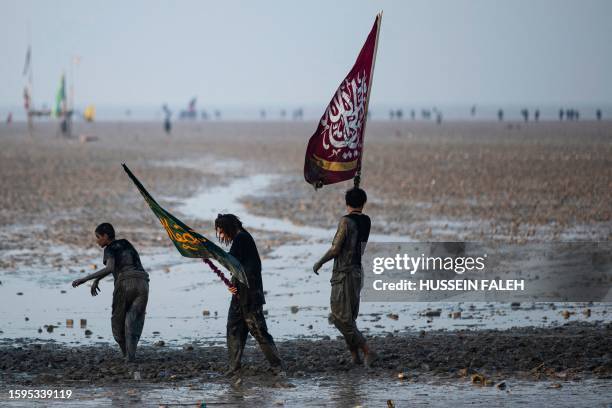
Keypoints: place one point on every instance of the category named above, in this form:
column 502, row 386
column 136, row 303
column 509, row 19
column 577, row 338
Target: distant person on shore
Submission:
column 131, row 292
column 246, row 308
column 561, row 112
column 66, row 124
column 347, row 275
column 525, row 114
column 536, row 115
column 500, row 115
column 598, row 114
column 298, row 114
column 167, row 119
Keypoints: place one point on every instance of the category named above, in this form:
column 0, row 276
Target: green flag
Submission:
column 188, row 242
column 60, row 97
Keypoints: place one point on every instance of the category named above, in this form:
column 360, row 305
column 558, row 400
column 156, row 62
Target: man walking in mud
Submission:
column 347, row 275
column 131, row 291
column 246, row 308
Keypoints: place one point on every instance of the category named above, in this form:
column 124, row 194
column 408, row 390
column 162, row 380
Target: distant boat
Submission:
column 28, row 103
column 191, row 111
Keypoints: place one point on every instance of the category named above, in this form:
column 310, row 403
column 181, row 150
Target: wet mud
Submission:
column 569, row 352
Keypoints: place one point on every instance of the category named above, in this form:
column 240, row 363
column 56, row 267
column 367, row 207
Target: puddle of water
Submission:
column 341, row 391
column 178, row 298
column 226, row 199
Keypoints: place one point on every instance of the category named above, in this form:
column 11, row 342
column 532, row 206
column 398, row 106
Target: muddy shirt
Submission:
column 125, row 260
column 363, row 234
column 348, row 244
column 244, row 250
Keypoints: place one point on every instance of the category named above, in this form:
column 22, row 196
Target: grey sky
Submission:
column 282, row 52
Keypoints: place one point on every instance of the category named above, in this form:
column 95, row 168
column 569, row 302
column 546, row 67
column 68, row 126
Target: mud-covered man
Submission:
column 131, row 292
column 245, row 313
column 347, row 275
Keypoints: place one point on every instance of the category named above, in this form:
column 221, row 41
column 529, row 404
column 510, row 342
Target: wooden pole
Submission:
column 30, row 87
column 357, row 178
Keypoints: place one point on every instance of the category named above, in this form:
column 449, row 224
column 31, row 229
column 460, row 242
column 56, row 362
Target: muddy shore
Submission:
column 457, row 181
column 461, row 180
column 569, row 352
column 466, row 180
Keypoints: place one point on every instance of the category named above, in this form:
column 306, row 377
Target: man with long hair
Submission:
column 246, row 308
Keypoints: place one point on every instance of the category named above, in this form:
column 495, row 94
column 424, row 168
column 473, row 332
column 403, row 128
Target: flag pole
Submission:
column 357, row 178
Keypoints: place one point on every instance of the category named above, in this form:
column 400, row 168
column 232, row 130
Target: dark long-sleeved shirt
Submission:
column 244, row 250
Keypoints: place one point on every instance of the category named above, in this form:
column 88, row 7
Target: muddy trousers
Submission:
column 240, row 322
column 344, row 305
column 130, row 299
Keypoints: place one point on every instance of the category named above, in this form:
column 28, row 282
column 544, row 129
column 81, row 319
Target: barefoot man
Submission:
column 347, row 276
column 131, row 288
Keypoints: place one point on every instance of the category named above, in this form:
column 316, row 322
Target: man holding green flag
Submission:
column 246, row 309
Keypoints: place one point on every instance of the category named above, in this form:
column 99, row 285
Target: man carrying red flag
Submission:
column 335, row 150
column 334, row 154
column 347, row 275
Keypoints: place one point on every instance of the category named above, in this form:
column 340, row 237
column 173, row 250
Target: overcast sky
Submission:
column 289, row 52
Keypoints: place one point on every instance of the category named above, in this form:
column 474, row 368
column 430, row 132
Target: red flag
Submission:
column 334, row 151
